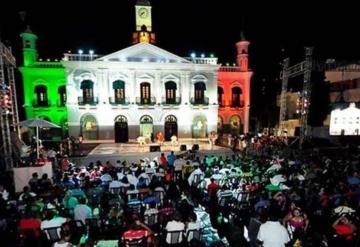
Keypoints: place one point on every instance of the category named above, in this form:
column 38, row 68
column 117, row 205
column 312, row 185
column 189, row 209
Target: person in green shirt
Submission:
column 69, row 202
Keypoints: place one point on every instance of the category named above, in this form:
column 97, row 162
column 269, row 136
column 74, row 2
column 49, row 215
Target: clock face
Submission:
column 143, row 12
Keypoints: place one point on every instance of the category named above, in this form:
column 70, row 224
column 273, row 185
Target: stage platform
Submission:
column 133, row 152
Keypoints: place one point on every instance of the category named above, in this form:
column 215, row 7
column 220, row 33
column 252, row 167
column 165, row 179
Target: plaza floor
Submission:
column 133, row 152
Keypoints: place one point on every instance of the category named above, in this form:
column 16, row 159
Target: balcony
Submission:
column 60, row 103
column 119, row 101
column 174, row 101
column 36, row 103
column 201, row 101
column 221, row 103
column 229, row 69
column 202, row 60
column 88, row 100
column 80, row 57
column 237, row 104
column 145, row 101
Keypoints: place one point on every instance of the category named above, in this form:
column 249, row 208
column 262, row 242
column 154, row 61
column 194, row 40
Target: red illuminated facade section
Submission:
column 234, row 93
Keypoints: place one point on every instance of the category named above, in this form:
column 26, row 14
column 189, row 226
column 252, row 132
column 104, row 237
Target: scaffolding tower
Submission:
column 9, row 117
column 302, row 68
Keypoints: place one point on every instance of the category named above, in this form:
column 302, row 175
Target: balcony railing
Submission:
column 237, row 104
column 36, row 103
column 45, row 64
column 88, row 100
column 119, row 101
column 174, row 101
column 60, row 103
column 201, row 101
column 229, row 69
column 200, row 60
column 78, row 57
column 145, row 101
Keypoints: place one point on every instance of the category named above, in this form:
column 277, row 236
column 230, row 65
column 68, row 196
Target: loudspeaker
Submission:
column 154, row 148
column 195, row 147
column 183, row 147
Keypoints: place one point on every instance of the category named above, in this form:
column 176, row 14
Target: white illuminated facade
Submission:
column 346, row 121
column 138, row 91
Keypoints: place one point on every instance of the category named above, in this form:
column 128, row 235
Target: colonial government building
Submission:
column 138, row 90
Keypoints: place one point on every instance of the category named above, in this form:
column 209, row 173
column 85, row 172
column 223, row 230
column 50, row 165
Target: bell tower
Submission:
column 242, row 58
column 30, row 54
column 143, row 33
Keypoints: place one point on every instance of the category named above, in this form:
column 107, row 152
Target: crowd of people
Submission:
column 266, row 196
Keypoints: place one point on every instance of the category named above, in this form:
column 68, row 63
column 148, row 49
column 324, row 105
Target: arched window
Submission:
column 119, row 91
column 236, row 97
column 220, row 97
column 199, row 94
column 170, row 92
column 62, row 95
column 87, row 87
column 41, row 95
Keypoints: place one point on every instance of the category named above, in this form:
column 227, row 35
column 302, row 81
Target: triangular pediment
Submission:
column 143, row 53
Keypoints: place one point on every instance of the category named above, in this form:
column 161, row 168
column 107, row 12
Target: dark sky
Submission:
column 193, row 25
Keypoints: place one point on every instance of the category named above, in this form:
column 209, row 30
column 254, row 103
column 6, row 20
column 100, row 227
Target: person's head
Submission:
column 172, row 152
column 82, row 200
column 125, row 180
column 177, row 216
column 344, row 220
column 212, row 180
column 44, row 176
column 35, row 175
column 162, row 154
column 65, row 235
column 192, row 217
column 296, row 212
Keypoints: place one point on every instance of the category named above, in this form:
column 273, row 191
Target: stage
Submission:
column 133, row 152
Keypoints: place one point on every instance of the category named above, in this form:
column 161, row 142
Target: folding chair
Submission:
column 176, row 237
column 52, row 233
column 193, row 234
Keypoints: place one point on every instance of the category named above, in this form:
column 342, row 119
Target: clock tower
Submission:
column 143, row 31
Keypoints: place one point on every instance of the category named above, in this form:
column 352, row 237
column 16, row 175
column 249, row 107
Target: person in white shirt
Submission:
column 193, row 224
column 272, row 233
column 174, row 225
column 82, row 211
column 52, row 221
column 197, row 174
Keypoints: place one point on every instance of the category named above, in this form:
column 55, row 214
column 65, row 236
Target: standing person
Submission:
column 229, row 140
column 82, row 211
column 272, row 233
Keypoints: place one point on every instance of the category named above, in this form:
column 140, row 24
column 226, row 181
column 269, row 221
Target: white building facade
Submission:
column 139, row 91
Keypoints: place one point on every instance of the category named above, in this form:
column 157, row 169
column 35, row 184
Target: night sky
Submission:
column 193, row 25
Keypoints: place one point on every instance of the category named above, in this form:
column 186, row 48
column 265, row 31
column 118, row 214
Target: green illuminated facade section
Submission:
column 44, row 85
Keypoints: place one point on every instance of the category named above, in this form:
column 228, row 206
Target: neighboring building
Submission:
column 139, row 90
column 344, row 96
column 234, row 92
column 44, row 85
column 345, row 121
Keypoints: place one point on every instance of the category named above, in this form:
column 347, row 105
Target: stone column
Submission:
column 158, row 87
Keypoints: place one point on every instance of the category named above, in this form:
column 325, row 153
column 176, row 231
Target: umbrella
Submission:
column 38, row 123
